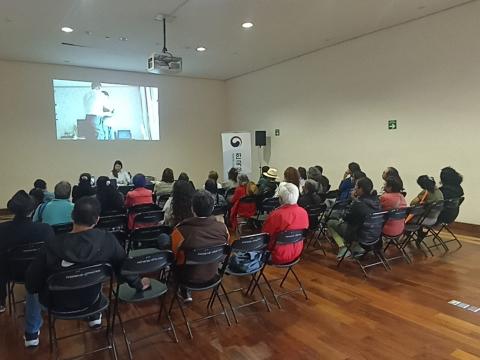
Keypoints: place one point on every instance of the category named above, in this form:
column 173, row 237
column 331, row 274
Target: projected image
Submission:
column 106, row 112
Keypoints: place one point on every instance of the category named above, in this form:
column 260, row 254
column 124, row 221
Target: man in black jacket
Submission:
column 348, row 229
column 83, row 246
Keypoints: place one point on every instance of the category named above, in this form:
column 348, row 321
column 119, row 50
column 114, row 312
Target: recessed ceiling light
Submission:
column 123, row 38
column 247, row 25
column 201, row 49
column 67, row 29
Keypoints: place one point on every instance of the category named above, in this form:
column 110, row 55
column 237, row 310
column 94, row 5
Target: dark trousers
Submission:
column 3, row 291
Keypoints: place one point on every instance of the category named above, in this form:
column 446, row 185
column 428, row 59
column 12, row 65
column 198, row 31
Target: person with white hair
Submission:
column 289, row 216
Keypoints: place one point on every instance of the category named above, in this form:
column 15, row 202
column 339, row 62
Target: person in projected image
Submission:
column 97, row 108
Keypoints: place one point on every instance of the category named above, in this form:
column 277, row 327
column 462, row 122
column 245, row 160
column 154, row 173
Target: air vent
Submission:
column 71, row 44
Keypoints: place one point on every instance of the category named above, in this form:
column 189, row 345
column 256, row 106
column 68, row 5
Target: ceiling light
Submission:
column 247, row 25
column 67, row 29
column 201, row 49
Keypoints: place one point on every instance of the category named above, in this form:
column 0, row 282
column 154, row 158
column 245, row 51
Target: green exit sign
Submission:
column 392, row 124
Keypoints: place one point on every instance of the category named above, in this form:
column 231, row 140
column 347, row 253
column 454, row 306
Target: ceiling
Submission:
column 30, row 30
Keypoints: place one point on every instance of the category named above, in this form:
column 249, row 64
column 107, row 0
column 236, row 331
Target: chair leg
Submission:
column 300, row 283
column 344, row 254
column 125, row 338
column 223, row 307
column 229, row 303
column 187, row 323
column 211, row 300
column 285, row 276
column 50, row 335
column 454, row 237
column 270, row 287
column 264, row 299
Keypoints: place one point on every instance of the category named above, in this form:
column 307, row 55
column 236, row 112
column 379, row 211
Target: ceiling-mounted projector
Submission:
column 165, row 62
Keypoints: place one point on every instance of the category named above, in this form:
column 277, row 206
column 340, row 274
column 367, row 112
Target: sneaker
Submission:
column 185, row 295
column 95, row 323
column 358, row 253
column 31, row 340
column 343, row 252
column 2, row 309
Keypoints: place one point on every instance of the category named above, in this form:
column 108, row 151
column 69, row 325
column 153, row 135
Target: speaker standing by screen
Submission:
column 260, row 138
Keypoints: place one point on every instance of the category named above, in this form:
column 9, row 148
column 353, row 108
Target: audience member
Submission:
column 289, row 216
column 348, row 183
column 391, row 199
column 108, row 196
column 347, row 230
column 268, row 186
column 392, row 172
column 38, row 197
column 197, row 232
column 430, row 193
column 310, row 197
column 165, row 186
column 84, row 187
column 212, row 188
column 451, row 189
column 20, row 231
column 138, row 196
column 42, row 185
column 122, row 176
column 242, row 209
column 315, row 175
column 184, row 177
column 303, row 177
column 59, row 210
column 232, row 181
column 213, row 175
column 81, row 247
column 179, row 206
column 324, row 182
column 262, row 177
column 290, row 175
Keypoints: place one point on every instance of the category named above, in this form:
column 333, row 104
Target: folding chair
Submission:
column 75, row 281
column 18, row 261
column 370, row 239
column 242, row 221
column 446, row 218
column 150, row 237
column 257, row 244
column 147, row 218
column 335, row 211
column 112, row 223
column 283, row 239
column 428, row 224
column 152, row 264
column 62, row 228
column 199, row 257
column 162, row 199
column 395, row 240
column 315, row 215
column 266, row 206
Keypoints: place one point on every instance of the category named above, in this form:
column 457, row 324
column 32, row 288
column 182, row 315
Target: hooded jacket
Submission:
column 356, row 215
column 70, row 251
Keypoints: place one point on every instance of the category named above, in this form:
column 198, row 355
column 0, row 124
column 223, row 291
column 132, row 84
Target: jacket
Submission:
column 138, row 196
column 450, row 213
column 345, row 188
column 286, row 217
column 390, row 201
column 245, row 210
column 310, row 200
column 267, row 187
column 356, row 215
column 56, row 211
column 73, row 250
column 194, row 233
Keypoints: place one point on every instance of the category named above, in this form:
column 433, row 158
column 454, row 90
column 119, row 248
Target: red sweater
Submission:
column 286, row 217
column 246, row 210
column 138, row 196
column 390, row 201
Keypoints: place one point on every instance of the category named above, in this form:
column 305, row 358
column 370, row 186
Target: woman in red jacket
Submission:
column 244, row 210
column 138, row 196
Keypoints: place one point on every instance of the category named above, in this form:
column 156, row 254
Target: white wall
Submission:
column 332, row 106
column 192, row 116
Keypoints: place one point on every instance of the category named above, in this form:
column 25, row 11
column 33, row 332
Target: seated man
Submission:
column 42, row 185
column 267, row 184
column 289, row 216
column 58, row 210
column 21, row 230
column 202, row 230
column 83, row 246
column 310, row 197
column 347, row 229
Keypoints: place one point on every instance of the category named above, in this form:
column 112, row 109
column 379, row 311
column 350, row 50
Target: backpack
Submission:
column 246, row 262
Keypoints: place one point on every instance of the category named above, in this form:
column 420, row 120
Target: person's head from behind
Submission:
column 265, row 169
column 314, row 174
column 393, row 185
column 426, row 183
column 291, row 175
column 363, row 187
column 251, row 188
column 242, row 179
column 183, row 177
column 117, row 166
column 288, row 194
column 182, row 200
column 353, row 167
column 62, row 190
column 213, row 175
column 357, row 175
column 85, row 179
column 390, row 171
column 139, row 181
column 86, row 212
column 449, row 176
column 40, row 184
column 233, row 174
column 103, row 184
column 37, row 195
column 303, row 173
column 310, row 187
column 202, row 203
column 167, row 176
column 211, row 186
column 319, row 169
column 21, row 205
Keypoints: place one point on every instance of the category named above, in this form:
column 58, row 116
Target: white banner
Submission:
column 237, row 152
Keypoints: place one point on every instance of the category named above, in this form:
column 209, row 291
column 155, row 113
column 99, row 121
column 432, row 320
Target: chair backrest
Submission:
column 290, row 237
column 162, row 199
column 150, row 218
column 80, row 278
column 219, row 210
column 62, row 228
column 433, row 210
column 252, row 199
column 113, row 212
column 371, row 230
column 451, row 209
column 255, row 242
column 314, row 215
column 19, row 258
column 148, row 236
column 148, row 263
column 270, row 204
column 206, row 255
column 398, row 214
column 113, row 222
column 338, row 205
column 229, row 192
column 141, row 208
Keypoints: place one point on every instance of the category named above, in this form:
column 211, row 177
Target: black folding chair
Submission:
column 146, row 215
column 74, row 281
column 243, row 222
column 256, row 244
column 448, row 215
column 315, row 216
column 198, row 257
column 428, row 230
column 59, row 229
column 113, row 223
column 395, row 240
column 283, row 239
column 149, row 237
column 335, row 211
column 150, row 264
column 266, row 206
column 370, row 239
column 162, row 199
column 18, row 260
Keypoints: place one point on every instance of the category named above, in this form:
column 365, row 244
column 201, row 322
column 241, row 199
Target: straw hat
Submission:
column 271, row 173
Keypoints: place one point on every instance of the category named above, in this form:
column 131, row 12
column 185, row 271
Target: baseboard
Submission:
column 466, row 229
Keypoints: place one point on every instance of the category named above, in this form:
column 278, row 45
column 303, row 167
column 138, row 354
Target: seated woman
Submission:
column 84, row 187
column 118, row 173
column 184, row 177
column 232, row 181
column 165, row 186
column 348, row 183
column 267, row 185
column 392, row 172
column 179, row 206
column 303, row 177
column 451, row 189
column 310, row 197
column 213, row 175
column 429, row 194
column 138, row 196
column 290, row 175
column 219, row 200
column 391, row 199
column 108, row 196
column 240, row 209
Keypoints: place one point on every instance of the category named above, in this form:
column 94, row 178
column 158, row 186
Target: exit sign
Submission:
column 392, row 124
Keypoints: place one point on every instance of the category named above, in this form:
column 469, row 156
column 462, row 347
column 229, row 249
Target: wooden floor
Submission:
column 402, row 314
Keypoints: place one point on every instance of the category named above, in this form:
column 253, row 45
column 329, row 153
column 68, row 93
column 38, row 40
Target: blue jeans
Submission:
column 33, row 314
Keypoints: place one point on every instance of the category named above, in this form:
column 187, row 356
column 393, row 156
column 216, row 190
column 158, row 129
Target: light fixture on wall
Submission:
column 67, row 29
column 247, row 25
column 201, row 49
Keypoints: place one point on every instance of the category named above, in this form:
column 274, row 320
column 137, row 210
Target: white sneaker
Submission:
column 31, row 340
column 93, row 324
column 2, row 309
